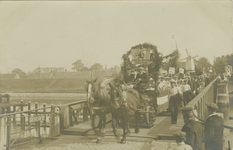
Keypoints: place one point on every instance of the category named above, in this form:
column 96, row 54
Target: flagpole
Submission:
column 175, row 41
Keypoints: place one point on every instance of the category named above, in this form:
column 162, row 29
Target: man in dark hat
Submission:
column 180, row 138
column 194, row 130
column 213, row 129
column 142, row 79
column 129, row 77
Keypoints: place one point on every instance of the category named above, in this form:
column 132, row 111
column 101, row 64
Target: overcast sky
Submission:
column 56, row 34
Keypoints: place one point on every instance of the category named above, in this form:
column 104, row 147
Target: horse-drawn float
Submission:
column 123, row 100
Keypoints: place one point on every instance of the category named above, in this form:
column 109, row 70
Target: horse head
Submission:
column 116, row 96
column 91, row 89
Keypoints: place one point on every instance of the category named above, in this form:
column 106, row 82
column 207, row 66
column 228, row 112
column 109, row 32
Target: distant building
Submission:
column 78, row 74
column 48, row 69
column 9, row 76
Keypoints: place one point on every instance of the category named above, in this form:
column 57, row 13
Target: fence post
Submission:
column 23, row 123
column 70, row 116
column 85, row 112
column 52, row 114
column 40, row 140
column 8, row 147
column 29, row 115
column 14, row 119
column 21, row 109
column 44, row 122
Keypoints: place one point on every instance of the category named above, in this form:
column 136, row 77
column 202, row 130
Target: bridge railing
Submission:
column 20, row 124
column 73, row 113
column 208, row 94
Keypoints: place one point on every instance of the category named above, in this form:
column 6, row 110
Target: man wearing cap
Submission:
column 142, row 79
column 213, row 129
column 129, row 77
column 180, row 138
column 194, row 130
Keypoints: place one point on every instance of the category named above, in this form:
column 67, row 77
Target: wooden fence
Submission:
column 20, row 123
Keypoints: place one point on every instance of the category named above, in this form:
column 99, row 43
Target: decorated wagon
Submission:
column 152, row 100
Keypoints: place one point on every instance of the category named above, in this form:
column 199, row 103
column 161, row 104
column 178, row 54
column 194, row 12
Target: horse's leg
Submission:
column 103, row 124
column 127, row 125
column 136, row 120
column 93, row 121
column 114, row 123
column 99, row 139
column 123, row 140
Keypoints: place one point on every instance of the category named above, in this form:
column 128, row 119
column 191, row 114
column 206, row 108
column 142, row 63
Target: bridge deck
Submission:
column 72, row 138
column 158, row 137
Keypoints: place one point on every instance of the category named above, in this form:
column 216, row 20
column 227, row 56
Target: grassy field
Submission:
column 65, row 85
column 48, row 98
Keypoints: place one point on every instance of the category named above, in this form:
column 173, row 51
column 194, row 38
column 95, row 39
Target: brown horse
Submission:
column 124, row 103
column 99, row 98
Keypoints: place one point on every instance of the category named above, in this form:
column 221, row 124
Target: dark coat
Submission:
column 207, row 81
column 214, row 133
column 143, row 76
column 194, row 134
column 196, row 85
column 129, row 78
column 190, row 83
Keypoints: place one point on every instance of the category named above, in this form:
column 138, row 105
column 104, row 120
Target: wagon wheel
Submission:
column 149, row 117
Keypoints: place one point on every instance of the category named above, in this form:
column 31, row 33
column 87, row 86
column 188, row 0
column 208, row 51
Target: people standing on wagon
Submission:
column 142, row 79
column 175, row 101
column 194, row 130
column 129, row 77
column 162, row 84
column 213, row 129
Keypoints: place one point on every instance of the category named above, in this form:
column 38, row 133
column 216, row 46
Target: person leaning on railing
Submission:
column 213, row 129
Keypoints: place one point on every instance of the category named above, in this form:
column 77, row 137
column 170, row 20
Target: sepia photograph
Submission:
column 116, row 75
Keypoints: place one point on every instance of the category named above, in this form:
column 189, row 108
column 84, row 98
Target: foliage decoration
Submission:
column 172, row 60
column 155, row 60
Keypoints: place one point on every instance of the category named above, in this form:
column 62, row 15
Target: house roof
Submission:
column 7, row 76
